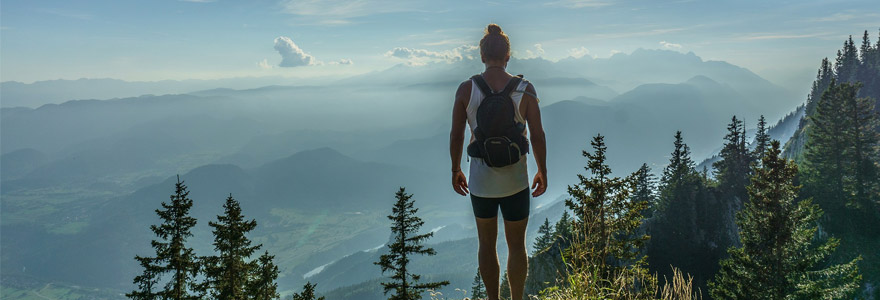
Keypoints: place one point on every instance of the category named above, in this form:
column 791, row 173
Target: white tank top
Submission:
column 489, row 182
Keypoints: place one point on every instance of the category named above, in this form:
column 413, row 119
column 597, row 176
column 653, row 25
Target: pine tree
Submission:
column 824, row 161
column 823, row 79
column 606, row 219
column 734, row 168
column 545, row 236
column 262, row 285
column 547, row 267
column 777, row 259
column 562, row 228
column 643, row 187
column 308, row 293
column 762, row 140
column 688, row 229
column 862, row 152
column 172, row 254
column 478, row 290
column 847, row 62
column 146, row 281
column 406, row 241
column 504, row 291
column 677, row 186
column 227, row 275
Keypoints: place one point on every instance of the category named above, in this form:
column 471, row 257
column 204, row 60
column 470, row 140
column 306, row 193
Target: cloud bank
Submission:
column 421, row 56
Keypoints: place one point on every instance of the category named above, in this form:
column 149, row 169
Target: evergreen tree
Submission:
column 406, row 241
column 862, row 152
column 227, row 275
column 677, row 185
column 643, row 187
column 478, row 290
column 146, row 281
column 777, row 259
column 172, row 254
column 840, row 160
column 547, row 267
column 823, row 79
column 734, row 168
column 504, row 292
column 688, row 230
column 545, row 236
column 562, row 229
column 847, row 62
column 824, row 162
column 262, row 285
column 308, row 293
column 606, row 219
column 762, row 140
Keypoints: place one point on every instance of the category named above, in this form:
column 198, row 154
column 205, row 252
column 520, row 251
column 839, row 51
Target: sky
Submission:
column 782, row 41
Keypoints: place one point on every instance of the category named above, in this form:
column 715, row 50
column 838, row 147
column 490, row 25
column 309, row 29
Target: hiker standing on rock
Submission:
column 497, row 107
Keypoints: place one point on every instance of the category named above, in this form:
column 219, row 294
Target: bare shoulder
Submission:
column 464, row 91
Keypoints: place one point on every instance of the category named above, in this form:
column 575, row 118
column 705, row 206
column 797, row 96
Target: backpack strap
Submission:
column 482, row 85
column 511, row 85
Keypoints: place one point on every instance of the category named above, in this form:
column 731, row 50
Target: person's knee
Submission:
column 517, row 251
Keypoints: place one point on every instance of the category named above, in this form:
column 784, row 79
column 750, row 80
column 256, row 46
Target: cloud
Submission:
column 852, row 15
column 539, row 51
column 668, row 45
column 578, row 52
column 580, row 3
column 837, row 17
column 264, row 64
column 421, row 56
column 344, row 61
column 781, row 36
column 291, row 54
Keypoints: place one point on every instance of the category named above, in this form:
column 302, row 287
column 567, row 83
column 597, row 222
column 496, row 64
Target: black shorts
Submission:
column 513, row 208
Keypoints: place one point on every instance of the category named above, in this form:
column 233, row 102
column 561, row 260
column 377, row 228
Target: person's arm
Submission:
column 456, row 137
column 538, row 141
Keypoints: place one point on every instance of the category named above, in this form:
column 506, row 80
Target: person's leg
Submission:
column 517, row 257
column 515, row 210
column 487, row 234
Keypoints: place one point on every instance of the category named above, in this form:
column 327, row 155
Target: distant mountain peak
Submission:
column 702, row 80
column 323, row 154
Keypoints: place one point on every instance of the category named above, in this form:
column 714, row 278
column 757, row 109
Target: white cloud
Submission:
column 781, row 36
column 615, row 51
column 344, row 61
column 837, row 17
column 578, row 52
column 539, row 51
column 291, row 54
column 264, row 64
column 421, row 56
column 580, row 3
column 669, row 45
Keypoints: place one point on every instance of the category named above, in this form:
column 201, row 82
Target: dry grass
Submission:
column 629, row 285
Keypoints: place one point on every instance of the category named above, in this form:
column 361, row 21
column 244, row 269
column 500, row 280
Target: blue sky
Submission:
column 167, row 39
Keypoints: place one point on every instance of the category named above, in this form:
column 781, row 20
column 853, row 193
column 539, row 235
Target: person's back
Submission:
column 493, row 187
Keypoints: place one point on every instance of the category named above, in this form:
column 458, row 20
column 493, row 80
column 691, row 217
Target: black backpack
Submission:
column 498, row 138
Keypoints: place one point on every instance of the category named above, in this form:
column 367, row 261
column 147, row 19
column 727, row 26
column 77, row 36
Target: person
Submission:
column 505, row 187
